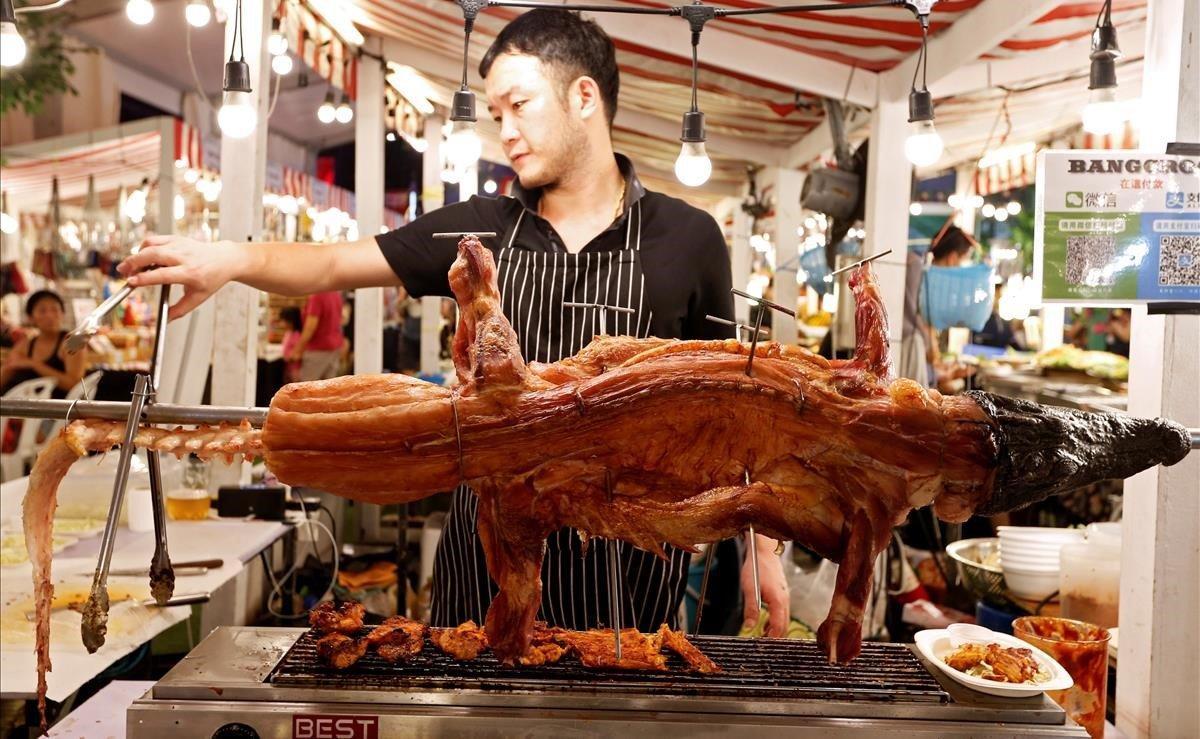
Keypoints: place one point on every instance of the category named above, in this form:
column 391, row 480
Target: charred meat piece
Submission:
column 337, row 618
column 545, row 647
column 398, row 638
column 595, row 648
column 679, row 644
column 1011, row 664
column 340, row 651
column 465, row 641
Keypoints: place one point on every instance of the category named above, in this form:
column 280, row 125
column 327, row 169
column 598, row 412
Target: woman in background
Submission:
column 43, row 354
column 290, row 316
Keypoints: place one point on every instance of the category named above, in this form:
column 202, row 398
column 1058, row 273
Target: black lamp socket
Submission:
column 237, row 76
column 920, row 106
column 462, row 108
column 1103, row 75
column 7, row 14
column 693, row 127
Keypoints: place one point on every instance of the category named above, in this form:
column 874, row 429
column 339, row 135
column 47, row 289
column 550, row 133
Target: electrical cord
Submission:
column 277, row 584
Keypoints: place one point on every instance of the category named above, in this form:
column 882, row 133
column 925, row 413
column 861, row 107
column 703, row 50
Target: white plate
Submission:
column 934, row 644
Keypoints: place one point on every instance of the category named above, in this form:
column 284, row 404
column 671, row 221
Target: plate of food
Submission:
column 991, row 662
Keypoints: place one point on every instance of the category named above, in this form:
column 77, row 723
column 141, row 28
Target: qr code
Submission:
column 1179, row 260
column 1091, row 260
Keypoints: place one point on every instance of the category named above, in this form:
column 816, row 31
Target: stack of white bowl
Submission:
column 1029, row 558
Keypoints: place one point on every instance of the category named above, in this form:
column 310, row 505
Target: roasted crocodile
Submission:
column 836, row 451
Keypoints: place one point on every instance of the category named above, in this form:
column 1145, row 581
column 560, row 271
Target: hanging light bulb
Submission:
column 277, row 43
column 490, row 186
column 139, row 12
column 1001, row 215
column 914, row 209
column 419, row 145
column 237, row 117
column 924, row 144
column 191, row 176
column 1103, row 115
column 391, row 136
column 692, row 166
column 988, row 210
column 343, row 113
column 1013, row 207
column 463, row 146
column 282, row 65
column 327, row 112
column 198, row 13
column 12, row 46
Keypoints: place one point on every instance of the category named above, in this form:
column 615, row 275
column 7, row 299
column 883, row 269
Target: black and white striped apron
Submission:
column 533, row 286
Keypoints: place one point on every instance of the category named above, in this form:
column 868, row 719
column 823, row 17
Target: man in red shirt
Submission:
column 319, row 349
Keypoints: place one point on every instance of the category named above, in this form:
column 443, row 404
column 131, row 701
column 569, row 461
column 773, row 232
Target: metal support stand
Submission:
column 616, row 589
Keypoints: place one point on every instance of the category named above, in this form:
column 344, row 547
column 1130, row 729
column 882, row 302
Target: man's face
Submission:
column 541, row 136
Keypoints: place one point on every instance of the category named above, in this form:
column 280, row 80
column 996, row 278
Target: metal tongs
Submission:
column 162, row 576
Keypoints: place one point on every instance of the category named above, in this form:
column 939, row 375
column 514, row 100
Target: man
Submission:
column 319, row 349
column 579, row 228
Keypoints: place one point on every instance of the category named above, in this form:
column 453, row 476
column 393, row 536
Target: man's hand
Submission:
column 774, row 589
column 201, row 268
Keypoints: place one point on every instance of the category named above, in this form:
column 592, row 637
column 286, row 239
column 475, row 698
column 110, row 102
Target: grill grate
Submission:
column 760, row 668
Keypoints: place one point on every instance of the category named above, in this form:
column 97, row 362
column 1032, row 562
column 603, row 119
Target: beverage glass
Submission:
column 1082, row 649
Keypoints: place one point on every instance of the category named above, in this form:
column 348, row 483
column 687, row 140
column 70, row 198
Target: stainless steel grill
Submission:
column 763, row 668
column 266, row 682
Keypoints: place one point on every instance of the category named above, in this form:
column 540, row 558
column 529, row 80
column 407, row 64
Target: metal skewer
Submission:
column 754, row 562
column 114, row 410
column 460, row 234
column 615, row 584
column 859, row 263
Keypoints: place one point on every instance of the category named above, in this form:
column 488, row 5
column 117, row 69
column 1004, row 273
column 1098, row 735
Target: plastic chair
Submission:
column 12, row 465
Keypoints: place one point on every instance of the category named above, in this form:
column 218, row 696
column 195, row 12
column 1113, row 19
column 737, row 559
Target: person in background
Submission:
column 997, row 332
column 948, row 248
column 291, row 317
column 1117, row 339
column 43, row 354
column 319, row 348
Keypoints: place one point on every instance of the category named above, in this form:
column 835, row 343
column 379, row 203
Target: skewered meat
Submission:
column 836, row 453
column 344, row 618
column 465, row 641
column 679, row 644
column 597, row 648
column 398, row 638
column 340, row 651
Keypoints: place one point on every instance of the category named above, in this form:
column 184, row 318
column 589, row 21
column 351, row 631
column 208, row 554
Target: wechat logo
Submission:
column 1074, row 200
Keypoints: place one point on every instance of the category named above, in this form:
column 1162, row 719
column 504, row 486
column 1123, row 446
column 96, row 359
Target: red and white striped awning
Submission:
column 115, row 162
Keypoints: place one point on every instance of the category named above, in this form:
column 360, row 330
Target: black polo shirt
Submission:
column 683, row 253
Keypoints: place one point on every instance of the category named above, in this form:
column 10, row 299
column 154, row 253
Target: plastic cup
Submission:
column 1082, row 649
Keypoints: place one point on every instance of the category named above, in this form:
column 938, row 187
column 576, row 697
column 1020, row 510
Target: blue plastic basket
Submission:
column 957, row 296
column 814, row 265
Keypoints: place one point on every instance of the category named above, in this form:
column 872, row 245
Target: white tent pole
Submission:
column 889, row 176
column 432, row 198
column 740, row 258
column 787, row 248
column 368, row 200
column 243, row 172
column 1157, row 669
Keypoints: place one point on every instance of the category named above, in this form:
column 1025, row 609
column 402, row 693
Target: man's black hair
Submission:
column 38, row 297
column 574, row 46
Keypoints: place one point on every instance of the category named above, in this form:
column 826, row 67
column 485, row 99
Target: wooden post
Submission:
column 889, row 177
column 243, row 173
column 1157, row 668
column 368, row 199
